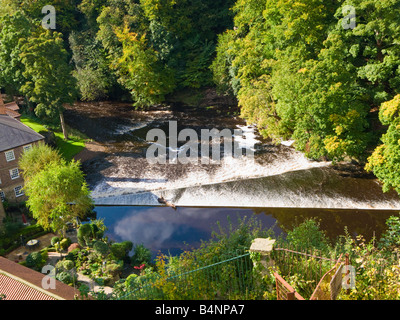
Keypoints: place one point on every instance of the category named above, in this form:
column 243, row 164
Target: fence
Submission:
column 230, row 279
column 304, row 267
column 330, row 284
column 284, row 291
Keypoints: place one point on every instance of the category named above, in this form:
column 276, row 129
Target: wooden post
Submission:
column 290, row 295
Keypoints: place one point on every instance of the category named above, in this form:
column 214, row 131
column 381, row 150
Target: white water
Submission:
column 278, row 176
column 139, row 176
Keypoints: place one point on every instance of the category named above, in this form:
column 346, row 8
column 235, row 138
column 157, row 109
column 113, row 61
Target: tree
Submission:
column 140, row 71
column 298, row 73
column 50, row 84
column 13, row 27
column 385, row 160
column 37, row 158
column 57, row 195
column 92, row 72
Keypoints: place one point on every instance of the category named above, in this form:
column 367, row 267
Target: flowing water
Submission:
column 277, row 186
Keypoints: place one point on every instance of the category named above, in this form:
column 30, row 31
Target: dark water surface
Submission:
column 162, row 229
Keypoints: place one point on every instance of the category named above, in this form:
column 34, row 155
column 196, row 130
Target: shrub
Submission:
column 65, row 243
column 84, row 234
column 128, row 245
column 391, row 238
column 90, row 231
column 45, row 254
column 68, row 264
column 54, row 240
column 142, row 255
column 113, row 268
column 101, row 247
column 118, row 250
column 64, row 277
column 308, row 235
column 35, row 260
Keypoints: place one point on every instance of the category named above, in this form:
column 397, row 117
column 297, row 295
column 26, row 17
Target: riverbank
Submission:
column 68, row 148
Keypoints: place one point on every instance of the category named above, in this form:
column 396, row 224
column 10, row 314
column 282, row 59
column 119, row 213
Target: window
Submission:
column 14, row 173
column 2, row 196
column 27, row 148
column 10, row 156
column 18, row 191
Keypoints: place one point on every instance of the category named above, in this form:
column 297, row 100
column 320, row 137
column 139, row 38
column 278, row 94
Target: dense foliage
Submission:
column 57, row 190
column 306, row 69
column 300, row 73
column 103, row 48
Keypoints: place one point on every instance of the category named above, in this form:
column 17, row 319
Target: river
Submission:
column 278, row 186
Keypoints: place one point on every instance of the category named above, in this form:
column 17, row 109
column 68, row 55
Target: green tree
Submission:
column 385, row 160
column 57, row 195
column 35, row 160
column 50, row 84
column 140, row 71
column 13, row 28
column 298, row 73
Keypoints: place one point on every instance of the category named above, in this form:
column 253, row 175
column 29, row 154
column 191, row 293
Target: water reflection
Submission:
column 164, row 230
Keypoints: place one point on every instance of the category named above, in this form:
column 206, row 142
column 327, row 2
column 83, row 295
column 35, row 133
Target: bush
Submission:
column 90, row 231
column 308, row 235
column 35, row 260
column 68, row 264
column 54, row 240
column 128, row 245
column 101, row 247
column 64, row 277
column 118, row 250
column 65, row 243
column 142, row 255
column 84, row 234
column 113, row 269
column 45, row 254
column 391, row 238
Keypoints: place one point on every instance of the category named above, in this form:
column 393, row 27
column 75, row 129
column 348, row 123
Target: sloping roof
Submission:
column 21, row 283
column 12, row 106
column 10, row 109
column 13, row 133
column 12, row 113
column 15, row 290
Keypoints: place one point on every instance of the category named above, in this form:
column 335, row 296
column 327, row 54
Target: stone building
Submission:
column 15, row 138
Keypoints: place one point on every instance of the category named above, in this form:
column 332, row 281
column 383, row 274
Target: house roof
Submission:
column 10, row 109
column 21, row 283
column 12, row 113
column 12, row 106
column 14, row 134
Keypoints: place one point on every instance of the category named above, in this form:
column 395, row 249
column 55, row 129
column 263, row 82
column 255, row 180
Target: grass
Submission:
column 68, row 148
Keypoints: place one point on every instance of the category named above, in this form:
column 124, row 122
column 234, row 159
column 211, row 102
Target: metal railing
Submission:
column 231, row 279
column 310, row 264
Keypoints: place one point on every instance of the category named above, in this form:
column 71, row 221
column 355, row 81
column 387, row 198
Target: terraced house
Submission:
column 15, row 138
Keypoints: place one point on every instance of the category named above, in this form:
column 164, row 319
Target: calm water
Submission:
column 162, row 229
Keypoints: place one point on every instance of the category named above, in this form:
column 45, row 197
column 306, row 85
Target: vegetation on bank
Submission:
column 68, row 148
column 130, row 272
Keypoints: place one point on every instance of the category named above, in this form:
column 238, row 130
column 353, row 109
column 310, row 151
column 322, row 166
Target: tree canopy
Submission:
column 57, row 191
column 318, row 72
